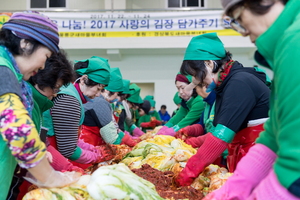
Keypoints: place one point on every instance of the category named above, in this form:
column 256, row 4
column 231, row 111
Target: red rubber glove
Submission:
column 157, row 122
column 211, row 149
column 105, row 153
column 150, row 124
column 128, row 141
column 60, row 163
column 196, row 142
column 194, row 130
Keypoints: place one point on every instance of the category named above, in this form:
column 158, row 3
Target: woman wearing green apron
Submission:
column 241, row 106
column 65, row 117
column 26, row 41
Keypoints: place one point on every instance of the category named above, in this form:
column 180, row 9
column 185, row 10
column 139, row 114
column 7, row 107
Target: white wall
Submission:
column 145, row 4
column 13, row 5
column 213, row 4
column 86, row 4
column 102, row 4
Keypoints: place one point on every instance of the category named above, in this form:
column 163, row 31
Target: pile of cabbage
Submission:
column 161, row 152
column 119, row 182
column 115, row 182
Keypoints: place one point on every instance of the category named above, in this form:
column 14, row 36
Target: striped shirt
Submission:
column 66, row 116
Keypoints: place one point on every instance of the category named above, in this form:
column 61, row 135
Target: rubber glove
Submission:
column 49, row 157
column 96, row 155
column 211, row 149
column 168, row 131
column 128, row 141
column 43, row 175
column 150, row 124
column 136, row 132
column 162, row 130
column 105, row 153
column 250, row 171
column 60, row 163
column 157, row 122
column 196, row 142
column 84, row 145
column 194, row 130
column 270, row 188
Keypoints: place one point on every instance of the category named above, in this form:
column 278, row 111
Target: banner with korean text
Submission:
column 154, row 24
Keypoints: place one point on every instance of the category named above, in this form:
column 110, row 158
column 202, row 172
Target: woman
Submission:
column 151, row 120
column 190, row 110
column 205, row 121
column 99, row 126
column 26, row 41
column 135, row 104
column 45, row 85
column 241, row 107
column 67, row 114
column 177, row 101
column 270, row 169
column 123, row 105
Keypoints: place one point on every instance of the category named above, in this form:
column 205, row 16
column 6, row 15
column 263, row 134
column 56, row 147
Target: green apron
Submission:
column 69, row 90
column 208, row 119
column 8, row 162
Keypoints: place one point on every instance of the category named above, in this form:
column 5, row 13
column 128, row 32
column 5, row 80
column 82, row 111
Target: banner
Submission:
column 154, row 24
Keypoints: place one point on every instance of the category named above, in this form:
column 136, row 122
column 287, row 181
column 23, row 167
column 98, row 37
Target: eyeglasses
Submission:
column 235, row 25
column 56, row 89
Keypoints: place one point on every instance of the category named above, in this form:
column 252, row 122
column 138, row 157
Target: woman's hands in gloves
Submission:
column 167, row 131
column 250, row 171
column 43, row 175
column 209, row 151
column 105, row 153
column 194, row 130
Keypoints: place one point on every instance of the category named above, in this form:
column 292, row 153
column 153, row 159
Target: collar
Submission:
column 210, row 99
column 43, row 102
column 80, row 93
column 267, row 42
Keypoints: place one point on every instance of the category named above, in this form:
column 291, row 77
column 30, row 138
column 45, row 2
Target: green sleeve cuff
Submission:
column 133, row 126
column 176, row 128
column 223, row 133
column 76, row 154
column 119, row 138
column 169, row 124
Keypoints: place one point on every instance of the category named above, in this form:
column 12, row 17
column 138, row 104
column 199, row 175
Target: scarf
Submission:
column 80, row 93
column 27, row 98
column 223, row 74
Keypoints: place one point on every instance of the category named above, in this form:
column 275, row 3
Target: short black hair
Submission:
column 163, row 107
column 12, row 42
column 57, row 67
column 81, row 65
column 198, row 69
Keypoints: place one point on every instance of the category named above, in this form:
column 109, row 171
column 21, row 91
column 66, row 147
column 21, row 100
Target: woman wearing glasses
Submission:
column 270, row 170
column 241, row 105
column 67, row 114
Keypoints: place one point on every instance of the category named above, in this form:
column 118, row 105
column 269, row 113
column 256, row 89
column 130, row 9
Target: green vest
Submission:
column 8, row 163
column 69, row 90
column 41, row 104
